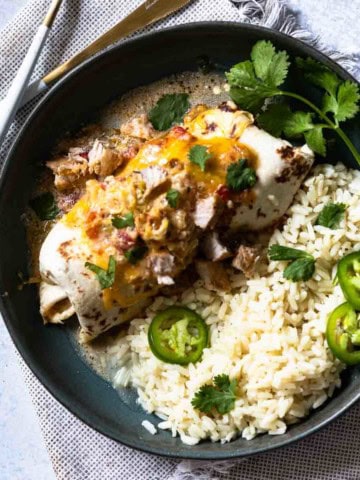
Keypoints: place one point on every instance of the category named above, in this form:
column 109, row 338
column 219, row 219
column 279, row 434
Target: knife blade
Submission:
column 147, row 13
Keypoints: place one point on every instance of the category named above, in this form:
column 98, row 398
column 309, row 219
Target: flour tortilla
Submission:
column 68, row 287
column 279, row 177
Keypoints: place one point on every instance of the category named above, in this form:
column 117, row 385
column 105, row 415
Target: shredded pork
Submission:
column 138, row 127
column 103, row 160
column 213, row 249
column 246, row 259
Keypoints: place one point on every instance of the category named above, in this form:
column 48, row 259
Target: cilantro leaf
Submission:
column 274, row 118
column 302, row 266
column 106, row 278
column 253, row 81
column 331, row 215
column 242, row 75
column 316, row 141
column 262, row 54
column 329, row 103
column 45, row 206
column 220, row 397
column 278, row 119
column 199, row 155
column 245, row 89
column 172, row 197
column 169, row 110
column 135, row 254
column 301, row 269
column 318, row 74
column 280, row 253
column 222, row 382
column 298, row 123
column 239, row 176
column 347, row 98
column 270, row 66
column 341, row 98
column 249, row 99
column 122, row 222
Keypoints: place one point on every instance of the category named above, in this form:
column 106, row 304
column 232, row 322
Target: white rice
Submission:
column 150, row 427
column 268, row 333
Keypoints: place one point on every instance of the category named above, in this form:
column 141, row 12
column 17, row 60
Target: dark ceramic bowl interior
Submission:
column 49, row 351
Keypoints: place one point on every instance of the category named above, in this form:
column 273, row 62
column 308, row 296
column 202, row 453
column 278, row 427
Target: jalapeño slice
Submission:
column 348, row 272
column 178, row 335
column 343, row 334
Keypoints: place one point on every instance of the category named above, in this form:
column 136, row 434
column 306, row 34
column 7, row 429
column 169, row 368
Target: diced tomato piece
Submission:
column 93, row 231
column 177, row 130
column 91, row 216
column 223, row 192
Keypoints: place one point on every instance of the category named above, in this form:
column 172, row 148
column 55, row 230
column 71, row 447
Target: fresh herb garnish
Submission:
column 169, row 110
column 255, row 81
column 239, row 176
column 135, row 254
column 199, row 155
column 300, row 270
column 172, row 197
column 302, row 266
column 331, row 215
column 45, row 206
column 221, row 396
column 106, row 277
column 122, row 222
column 280, row 253
column 341, row 97
column 278, row 119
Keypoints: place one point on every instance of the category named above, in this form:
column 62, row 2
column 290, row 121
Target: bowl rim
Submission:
column 63, row 399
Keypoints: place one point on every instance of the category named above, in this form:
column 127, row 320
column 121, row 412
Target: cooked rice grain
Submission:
column 268, row 334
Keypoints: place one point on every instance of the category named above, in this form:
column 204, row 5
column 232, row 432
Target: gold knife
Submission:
column 147, row 13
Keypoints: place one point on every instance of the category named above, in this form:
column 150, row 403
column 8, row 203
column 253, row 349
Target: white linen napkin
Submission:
column 78, row 452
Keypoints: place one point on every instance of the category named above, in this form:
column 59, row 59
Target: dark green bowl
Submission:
column 49, row 351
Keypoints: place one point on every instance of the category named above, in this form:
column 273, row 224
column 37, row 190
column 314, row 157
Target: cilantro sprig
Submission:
column 221, row 396
column 302, row 264
column 199, row 155
column 169, row 110
column 240, row 176
column 255, row 81
column 106, row 277
column 331, row 215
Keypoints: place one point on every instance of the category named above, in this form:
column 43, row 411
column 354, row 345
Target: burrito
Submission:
column 134, row 231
